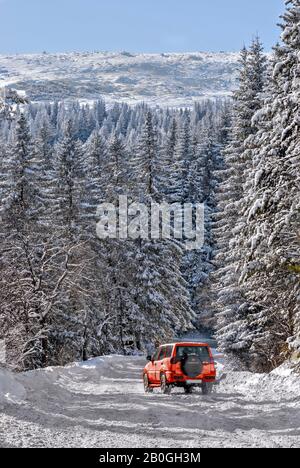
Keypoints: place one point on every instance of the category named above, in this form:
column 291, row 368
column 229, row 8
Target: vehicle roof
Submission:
column 185, row 343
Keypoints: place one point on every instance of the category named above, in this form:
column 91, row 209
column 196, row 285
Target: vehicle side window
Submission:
column 162, row 354
column 155, row 355
column 169, row 350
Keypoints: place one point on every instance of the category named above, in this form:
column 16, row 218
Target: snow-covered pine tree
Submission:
column 95, row 163
column 233, row 307
column 21, row 240
column 67, row 185
column 117, row 167
column 9, row 99
column 69, row 223
column 270, row 242
column 109, row 306
column 20, row 194
column 209, row 159
column 43, row 142
column 167, row 162
column 145, row 161
column 182, row 160
column 160, row 290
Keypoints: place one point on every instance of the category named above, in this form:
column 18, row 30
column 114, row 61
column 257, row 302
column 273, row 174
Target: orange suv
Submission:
column 185, row 365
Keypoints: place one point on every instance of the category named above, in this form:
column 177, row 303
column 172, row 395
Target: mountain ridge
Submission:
column 173, row 79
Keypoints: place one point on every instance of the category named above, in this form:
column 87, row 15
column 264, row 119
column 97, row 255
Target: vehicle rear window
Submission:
column 201, row 351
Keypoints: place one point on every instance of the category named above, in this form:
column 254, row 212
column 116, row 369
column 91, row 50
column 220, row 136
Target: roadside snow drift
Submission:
column 10, row 390
column 101, row 403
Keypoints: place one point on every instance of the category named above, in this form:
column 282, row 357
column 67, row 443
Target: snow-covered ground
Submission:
column 176, row 79
column 101, row 403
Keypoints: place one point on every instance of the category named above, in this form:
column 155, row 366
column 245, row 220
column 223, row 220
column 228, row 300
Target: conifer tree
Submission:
column 269, row 267
column 231, row 302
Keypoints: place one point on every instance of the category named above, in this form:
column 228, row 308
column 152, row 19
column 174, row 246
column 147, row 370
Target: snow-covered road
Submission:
column 101, row 404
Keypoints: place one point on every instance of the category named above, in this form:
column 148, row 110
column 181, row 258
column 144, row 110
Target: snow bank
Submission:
column 100, row 375
column 279, row 383
column 11, row 391
column 285, row 370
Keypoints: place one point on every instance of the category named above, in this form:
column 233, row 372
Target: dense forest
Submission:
column 65, row 294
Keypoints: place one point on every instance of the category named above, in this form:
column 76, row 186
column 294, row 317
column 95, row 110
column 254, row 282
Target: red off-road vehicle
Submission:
column 185, row 365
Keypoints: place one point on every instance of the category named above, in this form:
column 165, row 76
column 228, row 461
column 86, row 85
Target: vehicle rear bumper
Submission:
column 179, row 379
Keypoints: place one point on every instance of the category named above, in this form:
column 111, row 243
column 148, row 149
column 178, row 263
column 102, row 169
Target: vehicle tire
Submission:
column 207, row 388
column 147, row 388
column 188, row 389
column 164, row 386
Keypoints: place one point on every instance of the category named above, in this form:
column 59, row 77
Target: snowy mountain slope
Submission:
column 163, row 79
column 101, row 404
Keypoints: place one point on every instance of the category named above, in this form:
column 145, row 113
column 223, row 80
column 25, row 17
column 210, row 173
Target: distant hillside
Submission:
column 164, row 79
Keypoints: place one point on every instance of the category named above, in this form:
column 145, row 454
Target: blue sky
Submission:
column 136, row 25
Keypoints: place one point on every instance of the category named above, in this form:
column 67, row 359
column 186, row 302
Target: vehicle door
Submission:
column 152, row 367
column 159, row 363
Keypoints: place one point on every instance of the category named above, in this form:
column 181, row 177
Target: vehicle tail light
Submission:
column 211, row 364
